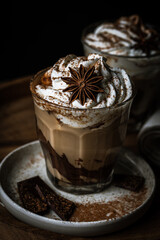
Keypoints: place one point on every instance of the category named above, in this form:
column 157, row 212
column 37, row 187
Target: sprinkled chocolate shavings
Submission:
column 110, row 210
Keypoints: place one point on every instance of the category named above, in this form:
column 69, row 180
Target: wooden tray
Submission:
column 17, row 126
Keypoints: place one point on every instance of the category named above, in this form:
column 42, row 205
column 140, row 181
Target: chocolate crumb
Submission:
column 130, row 182
column 30, row 198
column 61, row 206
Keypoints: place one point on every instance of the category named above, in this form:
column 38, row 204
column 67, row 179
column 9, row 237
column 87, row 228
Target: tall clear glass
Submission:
column 80, row 145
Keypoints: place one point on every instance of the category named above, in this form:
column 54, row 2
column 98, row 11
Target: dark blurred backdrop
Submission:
column 35, row 35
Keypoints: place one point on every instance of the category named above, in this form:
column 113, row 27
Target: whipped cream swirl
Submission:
column 127, row 36
column 116, row 83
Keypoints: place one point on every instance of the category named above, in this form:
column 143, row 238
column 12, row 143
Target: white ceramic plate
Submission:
column 27, row 161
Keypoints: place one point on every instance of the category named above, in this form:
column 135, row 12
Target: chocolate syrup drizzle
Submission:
column 72, row 173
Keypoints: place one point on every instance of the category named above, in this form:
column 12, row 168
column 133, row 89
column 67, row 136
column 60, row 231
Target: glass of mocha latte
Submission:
column 130, row 44
column 82, row 107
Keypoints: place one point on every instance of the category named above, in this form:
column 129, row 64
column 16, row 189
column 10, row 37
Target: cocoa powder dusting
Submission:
column 108, row 211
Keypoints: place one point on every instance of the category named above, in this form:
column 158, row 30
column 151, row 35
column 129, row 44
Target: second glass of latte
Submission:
column 130, row 44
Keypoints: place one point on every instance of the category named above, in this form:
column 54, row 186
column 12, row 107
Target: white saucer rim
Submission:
column 6, row 199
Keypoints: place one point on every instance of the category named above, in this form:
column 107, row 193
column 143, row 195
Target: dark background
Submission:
column 36, row 34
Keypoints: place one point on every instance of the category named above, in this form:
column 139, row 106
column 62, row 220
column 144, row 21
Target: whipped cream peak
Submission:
column 116, row 84
column 127, row 36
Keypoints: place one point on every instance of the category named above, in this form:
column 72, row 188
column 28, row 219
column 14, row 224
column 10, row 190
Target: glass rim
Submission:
column 35, row 95
column 94, row 25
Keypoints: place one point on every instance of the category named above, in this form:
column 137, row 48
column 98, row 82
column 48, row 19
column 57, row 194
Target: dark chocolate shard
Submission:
column 29, row 197
column 130, row 182
column 63, row 207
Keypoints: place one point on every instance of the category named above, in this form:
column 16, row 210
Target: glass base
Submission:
column 85, row 189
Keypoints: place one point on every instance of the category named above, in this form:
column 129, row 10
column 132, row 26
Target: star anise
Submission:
column 83, row 84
